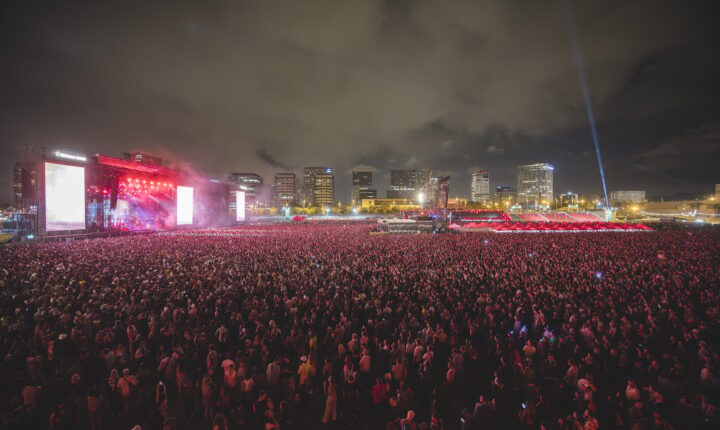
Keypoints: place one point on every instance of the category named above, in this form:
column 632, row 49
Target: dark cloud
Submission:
column 702, row 141
column 346, row 83
column 269, row 159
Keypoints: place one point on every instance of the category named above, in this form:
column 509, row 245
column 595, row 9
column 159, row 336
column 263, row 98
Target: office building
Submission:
column 248, row 182
column 405, row 184
column 535, row 185
column 284, row 189
column 480, row 186
column 362, row 186
column 504, row 194
column 318, row 186
column 569, row 200
column 25, row 185
column 324, row 189
column 627, row 197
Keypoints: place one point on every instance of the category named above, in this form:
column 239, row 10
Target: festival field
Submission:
column 285, row 326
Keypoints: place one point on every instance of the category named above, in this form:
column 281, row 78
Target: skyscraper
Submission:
column 480, row 186
column 284, row 189
column 318, row 186
column 248, row 182
column 405, row 184
column 362, row 186
column 535, row 185
column 24, row 184
column 325, row 189
column 504, row 194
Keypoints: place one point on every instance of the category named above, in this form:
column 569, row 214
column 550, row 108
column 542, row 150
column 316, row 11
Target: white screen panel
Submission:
column 64, row 197
column 184, row 205
column 240, row 206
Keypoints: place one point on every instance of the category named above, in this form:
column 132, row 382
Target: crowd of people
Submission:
column 315, row 326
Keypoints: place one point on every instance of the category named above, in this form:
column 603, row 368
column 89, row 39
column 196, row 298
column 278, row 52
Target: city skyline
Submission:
column 287, row 189
column 375, row 85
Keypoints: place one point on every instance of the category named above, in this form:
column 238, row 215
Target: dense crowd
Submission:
column 328, row 326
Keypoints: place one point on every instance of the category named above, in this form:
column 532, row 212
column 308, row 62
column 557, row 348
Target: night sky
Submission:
column 458, row 85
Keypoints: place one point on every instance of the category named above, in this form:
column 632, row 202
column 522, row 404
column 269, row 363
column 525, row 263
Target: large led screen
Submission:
column 184, row 205
column 240, row 206
column 64, row 197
